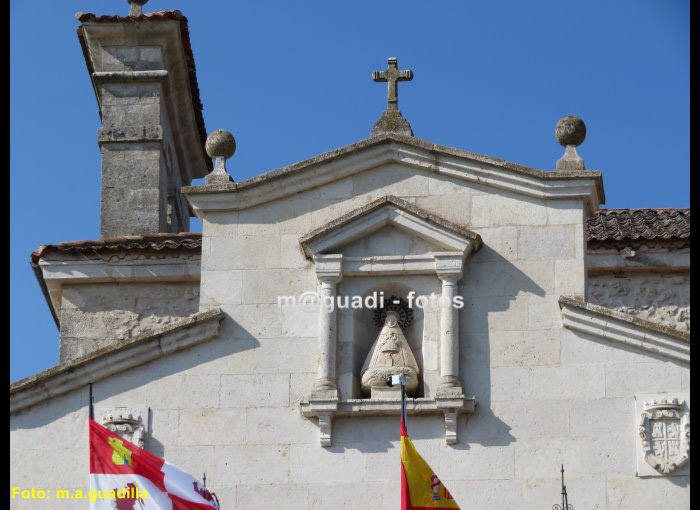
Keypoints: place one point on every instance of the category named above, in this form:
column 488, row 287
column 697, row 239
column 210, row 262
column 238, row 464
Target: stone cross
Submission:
column 392, row 76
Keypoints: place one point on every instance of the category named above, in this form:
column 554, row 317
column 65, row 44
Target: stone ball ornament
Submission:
column 570, row 130
column 220, row 144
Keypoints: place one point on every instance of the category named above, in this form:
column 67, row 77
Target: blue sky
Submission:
column 292, row 79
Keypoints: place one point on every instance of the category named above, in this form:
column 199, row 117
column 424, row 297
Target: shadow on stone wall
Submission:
column 490, row 287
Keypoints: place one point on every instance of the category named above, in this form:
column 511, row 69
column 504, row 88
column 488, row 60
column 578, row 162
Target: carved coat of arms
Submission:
column 126, row 422
column 664, row 430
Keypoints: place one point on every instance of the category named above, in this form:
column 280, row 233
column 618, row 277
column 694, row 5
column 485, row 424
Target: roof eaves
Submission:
column 148, row 242
column 44, row 289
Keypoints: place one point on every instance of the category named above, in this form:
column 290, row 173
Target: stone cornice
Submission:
column 389, row 265
column 171, row 267
column 612, row 260
column 406, row 151
column 114, row 359
column 623, row 328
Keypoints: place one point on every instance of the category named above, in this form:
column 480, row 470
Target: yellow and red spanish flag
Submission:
column 420, row 487
column 132, row 478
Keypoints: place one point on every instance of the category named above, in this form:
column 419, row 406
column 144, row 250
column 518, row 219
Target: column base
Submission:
column 450, row 386
column 324, row 389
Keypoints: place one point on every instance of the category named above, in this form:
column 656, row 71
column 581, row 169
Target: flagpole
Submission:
column 403, row 402
column 393, row 380
column 91, row 408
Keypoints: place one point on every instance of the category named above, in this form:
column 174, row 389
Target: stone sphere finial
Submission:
column 570, row 130
column 570, row 133
column 220, row 146
column 136, row 7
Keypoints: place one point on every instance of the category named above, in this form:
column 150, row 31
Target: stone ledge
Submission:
column 370, row 407
column 114, row 359
column 326, row 410
column 619, row 327
column 128, row 76
column 146, row 133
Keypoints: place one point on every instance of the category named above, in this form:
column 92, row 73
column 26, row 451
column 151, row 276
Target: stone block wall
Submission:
column 546, row 396
column 141, row 174
column 55, row 429
column 657, row 297
column 96, row 315
column 223, row 409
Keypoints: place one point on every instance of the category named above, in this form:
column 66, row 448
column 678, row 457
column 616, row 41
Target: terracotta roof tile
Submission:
column 638, row 225
column 182, row 240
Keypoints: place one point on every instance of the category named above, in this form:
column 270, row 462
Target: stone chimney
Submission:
column 152, row 135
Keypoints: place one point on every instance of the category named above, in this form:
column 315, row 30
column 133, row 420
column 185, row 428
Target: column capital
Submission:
column 449, row 266
column 329, row 268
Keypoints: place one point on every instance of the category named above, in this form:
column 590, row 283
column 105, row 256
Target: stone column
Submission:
column 449, row 270
column 329, row 273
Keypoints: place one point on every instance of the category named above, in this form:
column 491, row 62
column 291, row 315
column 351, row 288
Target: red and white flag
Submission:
column 126, row 477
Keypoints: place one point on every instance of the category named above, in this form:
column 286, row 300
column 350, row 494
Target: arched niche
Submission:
column 358, row 330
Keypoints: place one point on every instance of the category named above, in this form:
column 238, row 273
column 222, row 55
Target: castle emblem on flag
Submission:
column 436, row 487
column 121, row 455
column 665, row 433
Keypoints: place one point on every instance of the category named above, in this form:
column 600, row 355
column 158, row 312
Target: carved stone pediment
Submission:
column 664, row 435
column 128, row 422
column 386, row 214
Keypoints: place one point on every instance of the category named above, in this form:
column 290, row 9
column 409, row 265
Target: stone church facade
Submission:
column 219, row 351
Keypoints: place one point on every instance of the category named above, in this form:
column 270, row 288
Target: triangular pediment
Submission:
column 389, row 241
column 389, row 226
column 407, row 152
